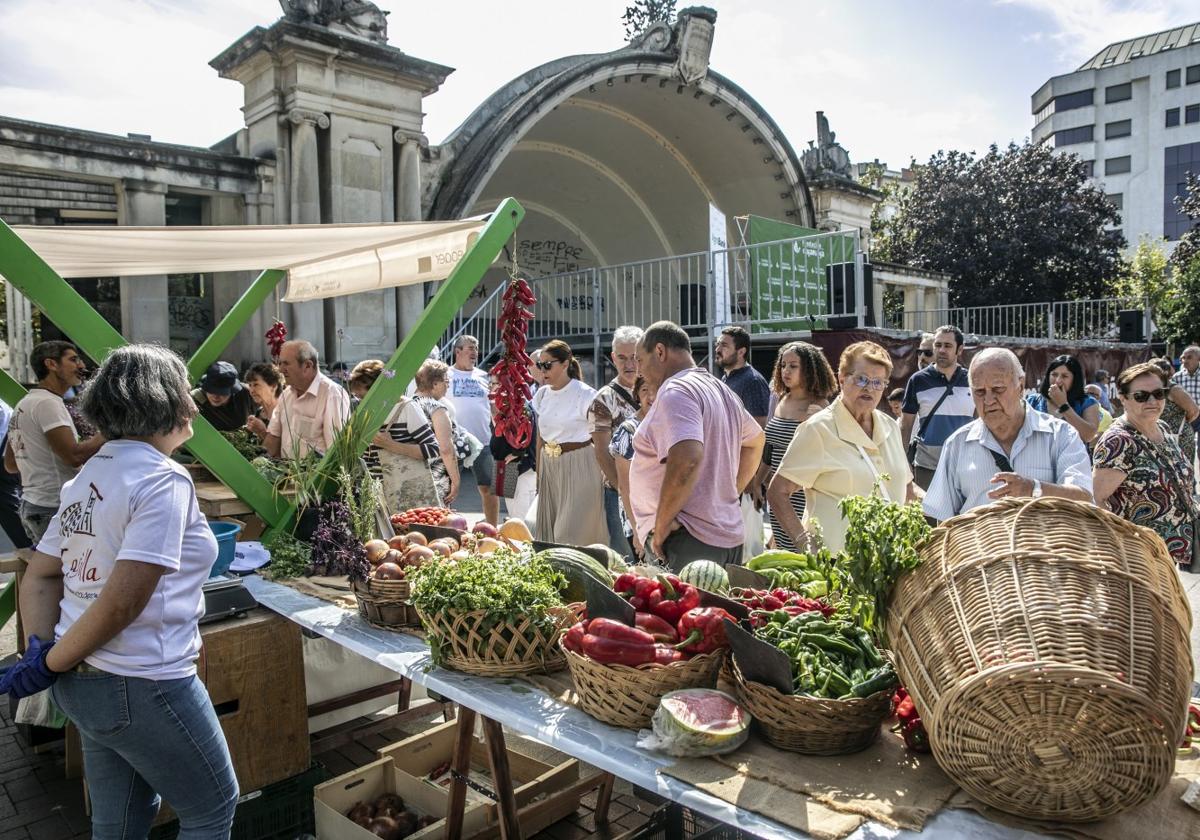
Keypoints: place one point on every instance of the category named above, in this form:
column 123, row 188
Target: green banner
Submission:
column 789, row 288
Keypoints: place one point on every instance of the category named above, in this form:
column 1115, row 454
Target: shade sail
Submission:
column 321, row 260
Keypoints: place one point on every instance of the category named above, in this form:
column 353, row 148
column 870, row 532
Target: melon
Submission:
column 615, row 562
column 699, row 721
column 706, row 575
column 575, row 566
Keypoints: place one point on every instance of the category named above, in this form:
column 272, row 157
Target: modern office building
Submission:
column 1132, row 114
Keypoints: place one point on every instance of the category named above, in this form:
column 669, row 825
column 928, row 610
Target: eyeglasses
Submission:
column 924, row 352
column 867, row 382
column 546, row 365
column 1159, row 394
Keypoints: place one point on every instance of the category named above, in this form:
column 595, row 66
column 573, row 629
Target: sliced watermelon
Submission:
column 696, row 722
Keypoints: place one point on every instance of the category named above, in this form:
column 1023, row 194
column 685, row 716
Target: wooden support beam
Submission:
column 460, row 768
column 502, row 781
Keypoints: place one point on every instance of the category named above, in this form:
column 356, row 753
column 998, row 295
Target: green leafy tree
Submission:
column 1016, row 225
column 1189, row 243
column 1179, row 320
column 639, row 16
column 1146, row 276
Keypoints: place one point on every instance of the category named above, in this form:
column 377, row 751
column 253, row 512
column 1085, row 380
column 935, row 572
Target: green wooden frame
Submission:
column 28, row 272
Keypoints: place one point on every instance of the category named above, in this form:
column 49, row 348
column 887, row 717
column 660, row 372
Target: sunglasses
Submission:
column 547, row 365
column 1159, row 394
column 866, row 382
column 924, row 352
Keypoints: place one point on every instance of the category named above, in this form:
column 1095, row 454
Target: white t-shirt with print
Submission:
column 131, row 502
column 562, row 415
column 468, row 393
column 42, row 472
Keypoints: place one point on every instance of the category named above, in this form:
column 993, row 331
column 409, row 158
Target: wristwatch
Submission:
column 1037, row 489
column 1064, row 408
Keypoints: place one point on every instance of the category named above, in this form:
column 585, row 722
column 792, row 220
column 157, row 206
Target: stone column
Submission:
column 410, row 300
column 145, row 315
column 308, row 319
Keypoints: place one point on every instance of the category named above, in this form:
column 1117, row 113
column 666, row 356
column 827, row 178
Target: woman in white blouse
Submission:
column 570, row 506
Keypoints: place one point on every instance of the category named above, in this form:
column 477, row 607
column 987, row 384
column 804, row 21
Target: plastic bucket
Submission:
column 226, row 534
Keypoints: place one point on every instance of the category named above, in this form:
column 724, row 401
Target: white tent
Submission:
column 321, row 260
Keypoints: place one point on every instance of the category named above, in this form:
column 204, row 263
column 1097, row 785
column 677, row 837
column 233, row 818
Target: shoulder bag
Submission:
column 912, row 446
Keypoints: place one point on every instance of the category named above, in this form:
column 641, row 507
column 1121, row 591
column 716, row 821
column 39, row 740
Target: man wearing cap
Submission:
column 222, row 399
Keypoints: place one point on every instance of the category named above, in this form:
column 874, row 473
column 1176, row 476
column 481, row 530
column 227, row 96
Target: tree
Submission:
column 1014, row 226
column 643, row 13
column 1146, row 277
column 1179, row 321
column 1189, row 243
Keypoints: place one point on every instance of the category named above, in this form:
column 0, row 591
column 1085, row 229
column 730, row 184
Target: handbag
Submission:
column 912, row 444
column 507, row 474
column 406, row 482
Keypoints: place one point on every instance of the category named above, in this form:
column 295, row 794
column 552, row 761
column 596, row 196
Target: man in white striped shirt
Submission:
column 1009, row 449
column 1188, row 375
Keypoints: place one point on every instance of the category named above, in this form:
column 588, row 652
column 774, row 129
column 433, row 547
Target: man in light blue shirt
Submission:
column 1009, row 449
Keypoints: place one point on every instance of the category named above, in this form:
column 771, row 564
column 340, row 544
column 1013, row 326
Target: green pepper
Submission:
column 884, row 679
column 837, row 684
column 870, row 651
column 830, row 643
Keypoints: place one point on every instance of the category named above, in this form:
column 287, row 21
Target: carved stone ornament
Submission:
column 300, row 115
column 827, row 155
column 655, row 38
column 359, row 18
column 694, row 34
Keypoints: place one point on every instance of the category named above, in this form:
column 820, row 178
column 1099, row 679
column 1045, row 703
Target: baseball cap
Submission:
column 221, row 379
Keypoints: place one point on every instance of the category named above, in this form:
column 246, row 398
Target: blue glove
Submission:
column 30, row 675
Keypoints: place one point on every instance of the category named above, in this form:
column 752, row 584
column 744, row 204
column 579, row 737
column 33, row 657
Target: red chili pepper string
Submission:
column 276, row 336
column 512, row 371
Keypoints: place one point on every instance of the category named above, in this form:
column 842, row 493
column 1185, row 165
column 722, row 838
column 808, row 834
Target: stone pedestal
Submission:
column 410, row 300
column 145, row 315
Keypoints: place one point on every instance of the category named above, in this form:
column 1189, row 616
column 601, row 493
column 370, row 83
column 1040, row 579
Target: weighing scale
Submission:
column 225, row 596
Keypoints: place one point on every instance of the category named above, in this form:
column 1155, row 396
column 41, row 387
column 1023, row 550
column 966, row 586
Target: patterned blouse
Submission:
column 410, row 425
column 1157, row 491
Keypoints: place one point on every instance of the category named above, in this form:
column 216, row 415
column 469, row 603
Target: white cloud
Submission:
column 1081, row 28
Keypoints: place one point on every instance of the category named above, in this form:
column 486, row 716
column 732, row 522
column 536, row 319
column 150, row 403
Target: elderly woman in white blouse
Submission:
column 570, row 507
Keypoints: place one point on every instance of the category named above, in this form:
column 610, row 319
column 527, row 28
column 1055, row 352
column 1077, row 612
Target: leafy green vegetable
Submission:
column 247, row 444
column 289, row 556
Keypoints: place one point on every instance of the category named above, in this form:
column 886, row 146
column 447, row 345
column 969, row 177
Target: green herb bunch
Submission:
column 881, row 545
column 289, row 556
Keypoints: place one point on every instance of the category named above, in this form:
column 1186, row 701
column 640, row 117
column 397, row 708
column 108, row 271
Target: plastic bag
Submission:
column 695, row 722
column 39, row 710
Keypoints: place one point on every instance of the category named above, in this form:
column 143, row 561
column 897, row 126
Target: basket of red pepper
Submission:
column 621, row 672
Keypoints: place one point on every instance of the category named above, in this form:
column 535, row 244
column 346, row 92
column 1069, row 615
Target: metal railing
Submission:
column 1071, row 320
column 768, row 287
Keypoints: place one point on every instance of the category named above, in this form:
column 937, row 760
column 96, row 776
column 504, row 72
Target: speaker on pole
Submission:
column 1131, row 326
column 840, row 288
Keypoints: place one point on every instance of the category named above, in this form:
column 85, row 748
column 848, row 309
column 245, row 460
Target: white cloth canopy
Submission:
column 321, row 260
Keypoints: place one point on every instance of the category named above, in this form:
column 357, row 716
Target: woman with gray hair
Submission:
column 111, row 602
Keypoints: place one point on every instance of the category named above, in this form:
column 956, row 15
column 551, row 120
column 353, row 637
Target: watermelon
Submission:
column 616, row 563
column 574, row 566
column 707, row 575
column 696, row 722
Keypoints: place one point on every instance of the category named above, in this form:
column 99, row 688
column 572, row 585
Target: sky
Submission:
column 897, row 80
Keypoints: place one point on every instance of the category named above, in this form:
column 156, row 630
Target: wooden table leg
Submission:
column 604, row 798
column 502, row 782
column 404, row 696
column 460, row 767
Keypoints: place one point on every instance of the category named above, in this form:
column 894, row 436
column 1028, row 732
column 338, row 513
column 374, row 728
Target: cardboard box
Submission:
column 333, row 799
column 551, row 787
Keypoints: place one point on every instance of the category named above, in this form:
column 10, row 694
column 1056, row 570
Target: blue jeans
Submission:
column 612, row 516
column 142, row 738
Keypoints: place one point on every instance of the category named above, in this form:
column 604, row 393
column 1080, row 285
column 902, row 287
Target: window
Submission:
column 1071, row 101
column 1088, row 167
column 1172, row 117
column 1172, row 79
column 1118, row 93
column 1121, row 128
column 1193, row 74
column 1118, row 200
column 1177, row 162
column 1069, row 136
column 1191, row 114
column 1117, row 165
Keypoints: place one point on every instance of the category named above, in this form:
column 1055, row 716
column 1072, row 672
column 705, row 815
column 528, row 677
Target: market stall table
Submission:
column 524, row 709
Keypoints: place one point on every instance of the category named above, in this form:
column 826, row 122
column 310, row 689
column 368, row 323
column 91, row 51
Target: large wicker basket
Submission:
column 811, row 725
column 1046, row 644
column 384, row 603
column 473, row 642
column 622, row 695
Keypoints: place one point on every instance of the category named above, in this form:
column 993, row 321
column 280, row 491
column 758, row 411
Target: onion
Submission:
column 485, row 529
column 418, row 555
column 362, row 814
column 487, row 545
column 376, row 549
column 388, row 571
column 386, row 828
column 406, row 821
column 416, row 538
column 460, row 555
column 393, row 556
column 390, row 800
column 454, row 520
column 441, row 547
column 398, row 542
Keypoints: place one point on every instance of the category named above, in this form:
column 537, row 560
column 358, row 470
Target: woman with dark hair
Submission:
column 1062, row 396
column 1179, row 411
column 111, row 602
column 804, row 383
column 570, row 507
column 1139, row 472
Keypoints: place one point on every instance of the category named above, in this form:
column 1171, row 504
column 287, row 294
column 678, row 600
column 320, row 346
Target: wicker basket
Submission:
column 384, row 603
column 473, row 643
column 811, row 725
column 1046, row 644
column 622, row 695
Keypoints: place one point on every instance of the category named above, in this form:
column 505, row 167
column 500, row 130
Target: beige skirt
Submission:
column 570, row 501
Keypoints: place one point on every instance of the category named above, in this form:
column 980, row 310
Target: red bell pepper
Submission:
column 573, row 638
column 665, row 655
column 915, row 736
column 909, row 723
column 613, row 643
column 659, row 628
column 677, row 598
column 703, row 630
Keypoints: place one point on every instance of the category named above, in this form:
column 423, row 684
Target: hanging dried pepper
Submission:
column 512, row 371
column 276, row 336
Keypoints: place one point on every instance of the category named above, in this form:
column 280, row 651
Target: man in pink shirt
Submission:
column 693, row 455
